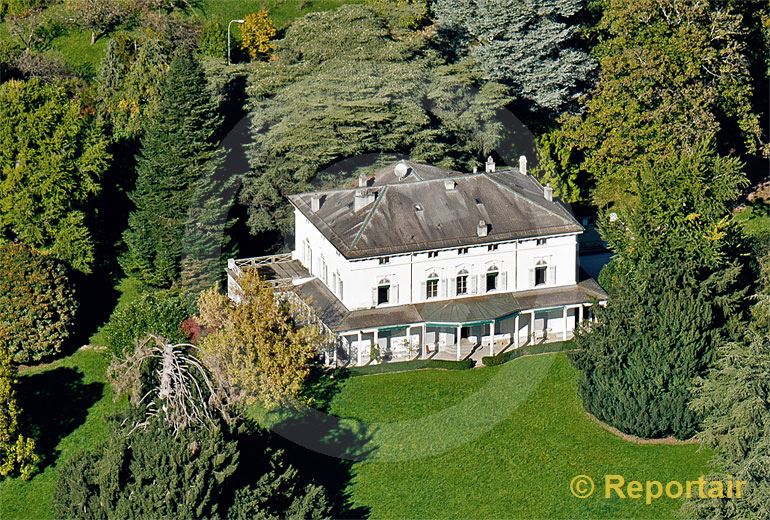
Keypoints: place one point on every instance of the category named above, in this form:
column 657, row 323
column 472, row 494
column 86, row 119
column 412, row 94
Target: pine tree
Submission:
column 177, row 160
column 531, row 45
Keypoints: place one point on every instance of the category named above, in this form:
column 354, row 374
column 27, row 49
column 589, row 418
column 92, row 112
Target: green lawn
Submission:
column 755, row 220
column 500, row 442
column 65, row 404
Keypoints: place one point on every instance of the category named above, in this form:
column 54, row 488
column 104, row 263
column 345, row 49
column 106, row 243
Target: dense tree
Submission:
column 17, row 453
column 155, row 312
column 671, row 72
column 257, row 33
column 676, row 292
column 53, row 153
column 257, row 346
column 37, row 303
column 177, row 161
column 735, row 399
column 350, row 82
column 129, row 79
column 531, row 45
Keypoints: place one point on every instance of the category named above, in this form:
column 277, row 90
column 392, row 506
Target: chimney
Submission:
column 315, row 203
column 449, row 184
column 363, row 197
column 475, row 169
column 481, row 229
column 363, row 181
column 548, row 192
column 490, row 165
column 523, row 165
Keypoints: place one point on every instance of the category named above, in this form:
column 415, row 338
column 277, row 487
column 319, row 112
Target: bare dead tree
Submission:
column 168, row 381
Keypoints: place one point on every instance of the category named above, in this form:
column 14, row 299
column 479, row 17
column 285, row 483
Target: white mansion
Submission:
column 417, row 261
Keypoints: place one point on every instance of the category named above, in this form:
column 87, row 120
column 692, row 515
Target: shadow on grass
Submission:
column 54, row 403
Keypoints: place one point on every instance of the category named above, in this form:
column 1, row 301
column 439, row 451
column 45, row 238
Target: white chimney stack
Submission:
column 475, row 169
column 315, row 203
column 481, row 229
column 490, row 165
column 523, row 165
column 363, row 181
column 449, row 184
column 548, row 192
column 363, row 197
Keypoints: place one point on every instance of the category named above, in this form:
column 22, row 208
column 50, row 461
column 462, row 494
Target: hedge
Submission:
column 398, row 366
column 542, row 348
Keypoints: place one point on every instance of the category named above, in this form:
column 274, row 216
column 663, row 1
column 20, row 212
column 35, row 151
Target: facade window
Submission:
column 324, row 272
column 492, row 276
column 341, row 293
column 431, row 286
column 541, row 241
column 383, row 292
column 384, row 260
column 432, row 254
column 334, row 282
column 540, row 273
column 462, row 251
column 462, row 282
column 492, row 247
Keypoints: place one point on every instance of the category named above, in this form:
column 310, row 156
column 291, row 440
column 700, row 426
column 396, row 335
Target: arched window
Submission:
column 492, row 278
column 541, row 270
column 462, row 282
column 383, row 291
column 431, row 286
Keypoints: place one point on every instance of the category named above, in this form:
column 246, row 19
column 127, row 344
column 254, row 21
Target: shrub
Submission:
column 543, row 348
column 37, row 303
column 399, row 366
column 256, row 33
column 159, row 312
column 213, row 40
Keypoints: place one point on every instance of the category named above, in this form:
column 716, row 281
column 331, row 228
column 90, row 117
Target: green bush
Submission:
column 543, row 348
column 37, row 303
column 399, row 366
column 213, row 41
column 158, row 312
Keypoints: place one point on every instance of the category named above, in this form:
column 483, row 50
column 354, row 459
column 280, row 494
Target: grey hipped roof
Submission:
column 511, row 204
column 456, row 311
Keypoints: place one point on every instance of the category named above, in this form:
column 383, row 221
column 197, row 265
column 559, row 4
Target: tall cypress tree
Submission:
column 177, row 159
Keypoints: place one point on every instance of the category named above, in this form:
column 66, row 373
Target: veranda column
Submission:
column 360, row 349
column 376, row 343
column 516, row 331
column 459, row 331
column 580, row 313
column 564, row 332
column 424, row 341
column 492, row 338
column 532, row 326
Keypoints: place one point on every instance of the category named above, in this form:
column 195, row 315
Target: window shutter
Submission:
column 394, row 294
column 374, row 297
column 424, row 291
column 552, row 275
column 531, row 277
column 444, row 288
column 474, row 284
column 503, row 281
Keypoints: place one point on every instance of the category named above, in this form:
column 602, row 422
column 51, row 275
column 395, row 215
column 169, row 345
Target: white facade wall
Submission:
column 516, row 262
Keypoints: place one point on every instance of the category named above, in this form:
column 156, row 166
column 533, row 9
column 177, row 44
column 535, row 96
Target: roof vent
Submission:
column 490, row 165
column 523, row 165
column 402, row 170
column 548, row 192
column 418, row 207
column 315, row 203
column 482, row 229
column 449, row 184
column 363, row 181
column 363, row 197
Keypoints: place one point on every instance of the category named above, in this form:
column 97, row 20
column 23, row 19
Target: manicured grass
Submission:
column 281, row 11
column 498, row 442
column 65, row 406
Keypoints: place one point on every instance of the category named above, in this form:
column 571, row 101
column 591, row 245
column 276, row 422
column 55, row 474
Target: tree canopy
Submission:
column 53, row 154
column 350, row 82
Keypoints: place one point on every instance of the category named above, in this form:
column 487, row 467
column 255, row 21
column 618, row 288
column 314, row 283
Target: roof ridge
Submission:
column 530, row 201
column 368, row 218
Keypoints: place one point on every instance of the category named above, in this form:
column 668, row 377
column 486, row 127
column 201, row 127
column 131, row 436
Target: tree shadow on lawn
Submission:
column 54, row 403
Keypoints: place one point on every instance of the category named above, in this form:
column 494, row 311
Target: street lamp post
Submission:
column 229, row 62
